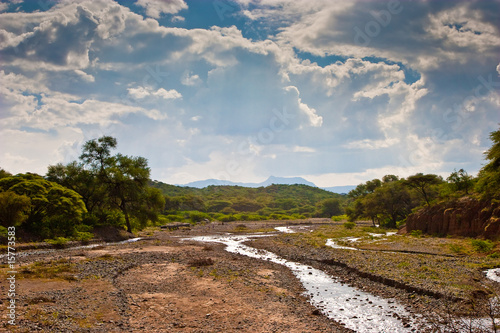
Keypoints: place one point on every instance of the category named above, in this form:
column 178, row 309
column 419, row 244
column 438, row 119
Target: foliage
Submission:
column 416, row 233
column 14, row 208
column 330, row 207
column 386, row 202
column 423, row 184
column 482, row 246
column 460, row 181
column 349, row 225
column 338, row 218
column 58, row 241
column 489, row 176
column 114, row 188
column 285, row 201
column 47, row 208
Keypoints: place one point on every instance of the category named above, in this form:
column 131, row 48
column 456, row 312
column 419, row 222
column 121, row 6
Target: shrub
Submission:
column 455, row 248
column 58, row 241
column 482, row 246
column 198, row 216
column 338, row 218
column 227, row 218
column 494, row 255
column 349, row 225
column 416, row 233
column 84, row 236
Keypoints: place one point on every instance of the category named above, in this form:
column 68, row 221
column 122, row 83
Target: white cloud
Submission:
column 191, row 79
column 85, row 76
column 143, row 92
column 154, row 8
column 178, row 19
column 34, row 151
column 372, row 144
column 300, row 149
column 167, row 94
column 314, row 119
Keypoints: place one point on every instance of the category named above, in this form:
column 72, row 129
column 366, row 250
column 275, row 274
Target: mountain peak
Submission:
column 269, row 181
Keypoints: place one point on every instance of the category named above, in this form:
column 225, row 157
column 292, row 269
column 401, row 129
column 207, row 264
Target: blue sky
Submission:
column 336, row 92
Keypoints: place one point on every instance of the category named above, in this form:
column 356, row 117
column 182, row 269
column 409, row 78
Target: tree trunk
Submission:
column 127, row 220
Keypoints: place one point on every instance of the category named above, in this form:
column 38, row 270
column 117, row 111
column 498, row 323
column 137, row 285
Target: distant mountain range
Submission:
column 271, row 180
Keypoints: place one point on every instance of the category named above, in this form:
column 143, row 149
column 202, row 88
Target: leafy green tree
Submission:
column 393, row 201
column 423, row 184
column 81, row 180
column 489, row 176
column 387, row 202
column 110, row 184
column 460, row 180
column 147, row 208
column 54, row 209
column 4, row 173
column 246, row 205
column 330, row 207
column 218, row 205
column 124, row 178
column 14, row 208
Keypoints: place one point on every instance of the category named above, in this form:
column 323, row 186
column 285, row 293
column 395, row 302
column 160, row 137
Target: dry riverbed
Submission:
column 165, row 284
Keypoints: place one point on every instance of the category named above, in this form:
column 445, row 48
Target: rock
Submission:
column 467, row 217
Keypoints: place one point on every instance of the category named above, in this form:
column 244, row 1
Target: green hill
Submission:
column 273, row 201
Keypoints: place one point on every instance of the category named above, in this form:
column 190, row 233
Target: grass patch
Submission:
column 349, row 225
column 482, row 246
column 54, row 269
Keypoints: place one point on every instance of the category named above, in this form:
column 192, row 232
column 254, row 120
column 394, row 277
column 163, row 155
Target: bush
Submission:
column 349, row 225
column 198, row 216
column 416, row 233
column 174, row 218
column 338, row 218
column 227, row 218
column 84, row 236
column 482, row 246
column 59, row 242
column 494, row 255
column 455, row 248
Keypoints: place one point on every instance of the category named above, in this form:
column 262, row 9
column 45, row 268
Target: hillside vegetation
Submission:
column 102, row 189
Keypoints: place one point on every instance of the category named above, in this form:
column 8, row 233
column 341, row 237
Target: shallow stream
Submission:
column 356, row 309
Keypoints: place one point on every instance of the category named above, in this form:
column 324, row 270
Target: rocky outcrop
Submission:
column 466, row 217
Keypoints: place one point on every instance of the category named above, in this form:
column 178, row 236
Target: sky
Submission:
column 336, row 92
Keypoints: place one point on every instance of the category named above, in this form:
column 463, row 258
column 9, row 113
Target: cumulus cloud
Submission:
column 314, row 119
column 143, row 92
column 217, row 93
column 154, row 8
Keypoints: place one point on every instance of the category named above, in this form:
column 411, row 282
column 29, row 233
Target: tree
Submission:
column 489, row 175
column 54, row 210
column 124, row 178
column 81, row 180
column 460, row 180
column 394, row 202
column 423, row 184
column 14, row 208
column 389, row 202
column 4, row 174
column 330, row 207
